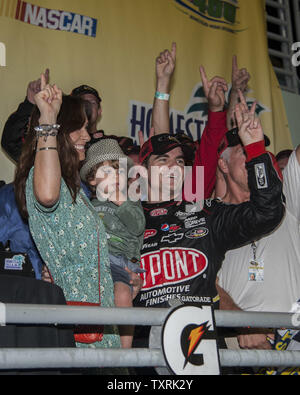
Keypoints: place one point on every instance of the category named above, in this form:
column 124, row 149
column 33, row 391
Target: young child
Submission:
column 124, row 219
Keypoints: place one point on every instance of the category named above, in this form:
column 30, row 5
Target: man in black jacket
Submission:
column 183, row 249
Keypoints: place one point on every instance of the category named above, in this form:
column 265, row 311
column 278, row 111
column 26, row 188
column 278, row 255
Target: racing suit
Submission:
column 183, row 251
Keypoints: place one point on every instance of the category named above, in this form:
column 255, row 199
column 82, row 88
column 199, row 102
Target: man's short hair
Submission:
column 284, row 154
column 86, row 90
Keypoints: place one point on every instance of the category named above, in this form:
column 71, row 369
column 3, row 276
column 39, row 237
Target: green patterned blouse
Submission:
column 67, row 239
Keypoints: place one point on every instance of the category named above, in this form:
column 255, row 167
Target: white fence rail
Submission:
column 77, row 315
column 11, row 358
column 66, row 358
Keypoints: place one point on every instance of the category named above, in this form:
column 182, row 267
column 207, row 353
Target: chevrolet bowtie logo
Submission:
column 172, row 238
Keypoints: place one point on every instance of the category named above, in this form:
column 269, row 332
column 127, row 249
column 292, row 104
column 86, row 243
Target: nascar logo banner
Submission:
column 55, row 19
column 112, row 46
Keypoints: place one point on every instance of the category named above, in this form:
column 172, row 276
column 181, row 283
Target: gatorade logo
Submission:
column 189, row 341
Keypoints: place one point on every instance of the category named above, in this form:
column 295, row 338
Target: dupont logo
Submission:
column 48, row 18
column 171, row 266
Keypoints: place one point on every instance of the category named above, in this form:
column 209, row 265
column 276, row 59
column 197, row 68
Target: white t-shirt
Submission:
column 273, row 285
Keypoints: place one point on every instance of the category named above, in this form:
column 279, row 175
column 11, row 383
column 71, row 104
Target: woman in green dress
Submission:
column 66, row 229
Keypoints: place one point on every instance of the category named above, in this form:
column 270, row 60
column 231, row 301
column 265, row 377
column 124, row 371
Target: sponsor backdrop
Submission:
column 112, row 46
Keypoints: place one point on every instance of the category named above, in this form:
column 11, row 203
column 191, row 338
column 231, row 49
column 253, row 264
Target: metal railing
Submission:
column 66, row 358
column 12, row 358
column 280, row 39
column 295, row 10
column 79, row 315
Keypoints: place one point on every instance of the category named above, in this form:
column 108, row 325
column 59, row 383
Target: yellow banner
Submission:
column 112, row 46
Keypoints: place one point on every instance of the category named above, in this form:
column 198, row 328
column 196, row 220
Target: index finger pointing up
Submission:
column 234, row 63
column 47, row 75
column 43, row 82
column 173, row 50
column 253, row 108
column 203, row 76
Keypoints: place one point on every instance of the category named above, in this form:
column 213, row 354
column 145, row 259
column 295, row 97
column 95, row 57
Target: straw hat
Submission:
column 103, row 150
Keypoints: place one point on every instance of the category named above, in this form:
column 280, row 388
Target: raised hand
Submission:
column 165, row 63
column 240, row 77
column 214, row 91
column 48, row 100
column 250, row 129
column 164, row 66
column 34, row 87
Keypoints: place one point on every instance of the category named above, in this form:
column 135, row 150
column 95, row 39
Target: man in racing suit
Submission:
column 184, row 248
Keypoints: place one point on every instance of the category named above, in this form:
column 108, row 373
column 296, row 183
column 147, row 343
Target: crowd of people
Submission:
column 116, row 224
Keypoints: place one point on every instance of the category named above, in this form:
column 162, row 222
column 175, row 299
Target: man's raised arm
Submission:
column 165, row 66
column 207, row 152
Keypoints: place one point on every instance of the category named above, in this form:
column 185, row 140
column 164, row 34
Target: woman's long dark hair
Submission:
column 71, row 117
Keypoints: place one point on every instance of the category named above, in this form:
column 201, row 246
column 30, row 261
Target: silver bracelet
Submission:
column 47, row 130
column 46, row 149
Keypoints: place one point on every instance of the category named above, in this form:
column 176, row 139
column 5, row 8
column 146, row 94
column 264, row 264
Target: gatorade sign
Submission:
column 189, row 341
